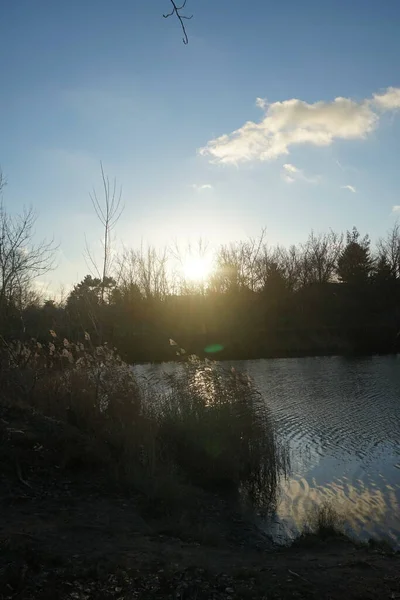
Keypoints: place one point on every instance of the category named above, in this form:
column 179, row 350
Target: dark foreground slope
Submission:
column 67, row 533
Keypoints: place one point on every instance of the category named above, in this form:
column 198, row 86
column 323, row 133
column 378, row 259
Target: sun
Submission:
column 197, row 269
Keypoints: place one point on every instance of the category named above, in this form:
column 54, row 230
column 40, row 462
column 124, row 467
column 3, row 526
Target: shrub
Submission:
column 215, row 425
column 323, row 522
column 88, row 387
column 204, row 425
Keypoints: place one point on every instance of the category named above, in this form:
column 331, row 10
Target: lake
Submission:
column 340, row 418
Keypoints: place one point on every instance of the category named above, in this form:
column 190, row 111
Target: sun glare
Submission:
column 197, row 269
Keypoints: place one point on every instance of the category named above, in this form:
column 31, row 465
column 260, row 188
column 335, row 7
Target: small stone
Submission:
column 229, row 590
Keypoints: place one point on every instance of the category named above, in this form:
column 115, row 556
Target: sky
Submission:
column 277, row 115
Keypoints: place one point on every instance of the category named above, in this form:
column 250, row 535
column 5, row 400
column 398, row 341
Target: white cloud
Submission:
column 396, row 208
column 339, row 164
column 290, row 168
column 200, row 188
column 351, row 188
column 390, row 100
column 294, row 122
column 261, row 103
column 290, row 174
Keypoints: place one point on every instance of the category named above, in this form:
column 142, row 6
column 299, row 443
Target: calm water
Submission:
column 341, row 420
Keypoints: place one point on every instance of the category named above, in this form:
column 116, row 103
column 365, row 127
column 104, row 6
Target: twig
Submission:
column 297, row 575
column 176, row 10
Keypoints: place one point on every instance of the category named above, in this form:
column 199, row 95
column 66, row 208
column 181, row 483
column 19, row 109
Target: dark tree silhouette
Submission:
column 383, row 271
column 320, row 256
column 355, row 262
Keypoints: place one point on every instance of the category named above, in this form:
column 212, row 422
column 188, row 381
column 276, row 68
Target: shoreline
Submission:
column 66, row 533
column 311, row 354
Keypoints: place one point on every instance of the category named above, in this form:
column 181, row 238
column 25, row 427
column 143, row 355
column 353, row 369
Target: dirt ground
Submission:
column 65, row 534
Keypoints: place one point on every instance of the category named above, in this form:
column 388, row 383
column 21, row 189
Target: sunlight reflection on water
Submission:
column 340, row 418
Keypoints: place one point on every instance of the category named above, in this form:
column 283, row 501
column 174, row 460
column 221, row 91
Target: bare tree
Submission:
column 21, row 259
column 252, row 251
column 230, row 271
column 389, row 249
column 238, row 265
column 290, row 263
column 146, row 269
column 108, row 210
column 315, row 261
column 28, row 295
column 319, row 257
column 176, row 10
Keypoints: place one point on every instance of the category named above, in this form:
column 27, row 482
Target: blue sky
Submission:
column 98, row 80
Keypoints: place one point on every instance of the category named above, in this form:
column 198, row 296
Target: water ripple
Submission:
column 341, row 420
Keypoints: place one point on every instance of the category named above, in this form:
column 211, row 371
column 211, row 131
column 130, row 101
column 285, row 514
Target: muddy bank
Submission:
column 67, row 532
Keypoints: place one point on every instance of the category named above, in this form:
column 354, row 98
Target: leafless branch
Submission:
column 90, row 261
column 108, row 210
column 389, row 249
column 3, row 181
column 179, row 255
column 176, row 10
column 21, row 259
column 147, row 269
column 238, row 265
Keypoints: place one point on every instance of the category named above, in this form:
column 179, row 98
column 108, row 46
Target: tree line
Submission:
column 334, row 293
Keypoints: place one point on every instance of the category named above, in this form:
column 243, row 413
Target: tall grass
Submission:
column 204, row 424
column 217, row 429
column 323, row 522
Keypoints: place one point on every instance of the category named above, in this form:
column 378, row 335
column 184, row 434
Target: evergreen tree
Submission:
column 355, row 262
